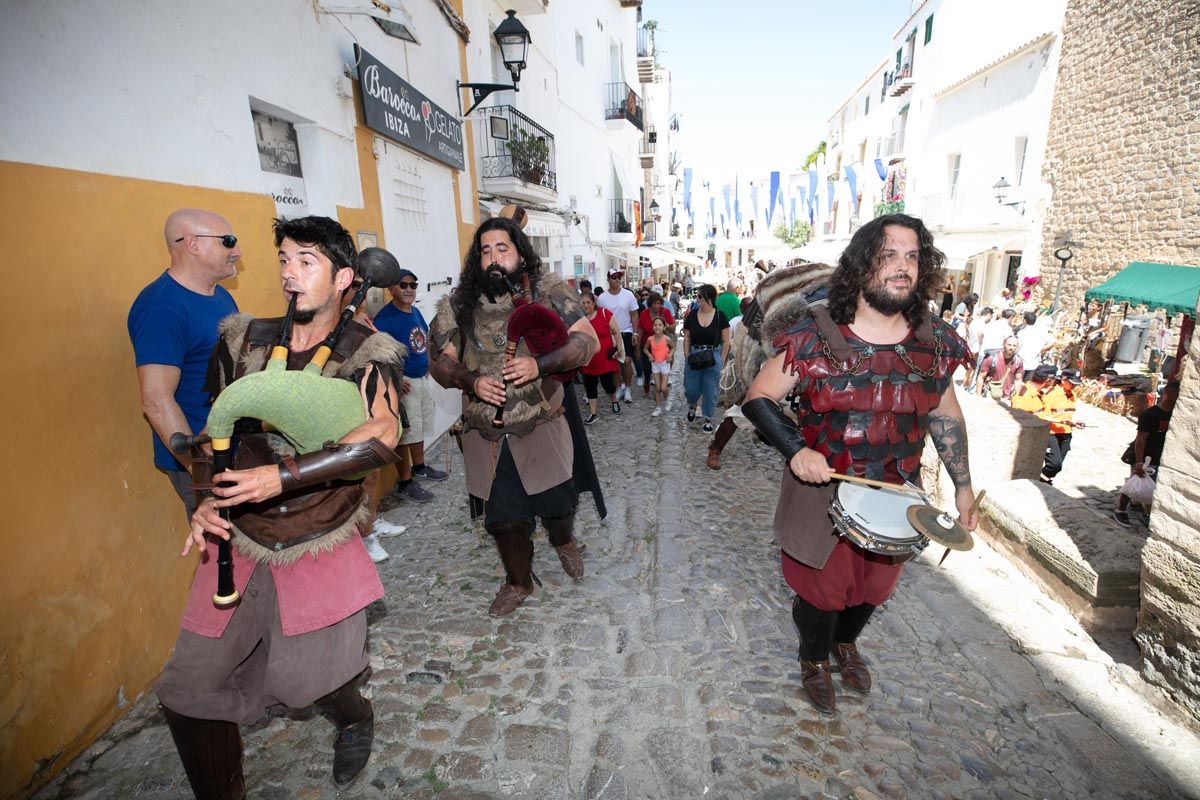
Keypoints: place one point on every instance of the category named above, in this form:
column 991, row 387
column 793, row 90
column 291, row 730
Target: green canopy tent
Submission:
column 1172, row 287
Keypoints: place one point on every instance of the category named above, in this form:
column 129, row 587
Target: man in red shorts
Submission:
column 868, row 377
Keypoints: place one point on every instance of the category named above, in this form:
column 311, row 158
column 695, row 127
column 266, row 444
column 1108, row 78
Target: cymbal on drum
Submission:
column 940, row 527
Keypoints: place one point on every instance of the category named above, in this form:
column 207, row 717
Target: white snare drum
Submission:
column 877, row 519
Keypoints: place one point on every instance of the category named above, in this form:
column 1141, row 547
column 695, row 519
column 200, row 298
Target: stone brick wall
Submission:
column 1124, row 141
column 1169, row 623
column 1121, row 156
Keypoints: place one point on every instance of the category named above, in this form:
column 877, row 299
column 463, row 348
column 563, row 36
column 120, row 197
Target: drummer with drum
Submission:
column 867, row 377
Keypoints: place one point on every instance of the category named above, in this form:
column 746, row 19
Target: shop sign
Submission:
column 394, row 108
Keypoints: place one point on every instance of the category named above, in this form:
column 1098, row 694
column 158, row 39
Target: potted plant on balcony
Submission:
column 530, row 156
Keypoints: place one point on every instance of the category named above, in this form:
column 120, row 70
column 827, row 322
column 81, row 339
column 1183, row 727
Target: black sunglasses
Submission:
column 407, row 284
column 229, row 240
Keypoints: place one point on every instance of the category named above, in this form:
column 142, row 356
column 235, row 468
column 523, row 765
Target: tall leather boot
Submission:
column 816, row 632
column 354, row 719
column 850, row 624
column 515, row 543
column 561, row 532
column 724, row 433
column 211, row 752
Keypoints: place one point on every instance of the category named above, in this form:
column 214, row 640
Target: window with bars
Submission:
column 407, row 194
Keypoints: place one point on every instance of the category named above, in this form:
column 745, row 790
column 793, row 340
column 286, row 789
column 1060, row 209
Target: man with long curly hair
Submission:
column 518, row 462
column 868, row 376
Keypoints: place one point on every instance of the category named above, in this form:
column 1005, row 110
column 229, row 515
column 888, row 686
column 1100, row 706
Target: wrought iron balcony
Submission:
column 649, row 145
column 645, row 43
column 901, row 81
column 624, row 103
column 620, row 220
column 514, row 146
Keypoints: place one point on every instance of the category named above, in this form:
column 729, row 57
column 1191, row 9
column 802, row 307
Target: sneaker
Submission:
column 691, row 415
column 628, row 395
column 386, row 529
column 431, row 474
column 670, row 404
column 616, row 408
column 592, row 418
column 1122, row 518
column 708, row 428
column 657, row 412
column 375, row 549
column 415, row 493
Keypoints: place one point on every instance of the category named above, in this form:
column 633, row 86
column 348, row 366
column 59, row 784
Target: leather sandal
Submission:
column 571, row 558
column 850, row 664
column 817, row 681
column 508, row 598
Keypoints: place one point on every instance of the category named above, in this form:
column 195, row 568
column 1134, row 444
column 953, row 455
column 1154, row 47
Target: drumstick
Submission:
column 879, row 484
column 970, row 513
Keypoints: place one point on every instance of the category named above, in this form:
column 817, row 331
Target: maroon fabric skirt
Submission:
column 850, row 577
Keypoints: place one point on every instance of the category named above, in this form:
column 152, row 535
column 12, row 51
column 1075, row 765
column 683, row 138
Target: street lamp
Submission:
column 654, row 210
column 1000, row 190
column 1063, row 254
column 514, row 39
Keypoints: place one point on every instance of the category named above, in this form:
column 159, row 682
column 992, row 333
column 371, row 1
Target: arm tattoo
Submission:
column 950, row 438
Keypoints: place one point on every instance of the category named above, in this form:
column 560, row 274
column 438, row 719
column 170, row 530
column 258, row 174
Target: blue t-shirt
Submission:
column 174, row 326
column 409, row 329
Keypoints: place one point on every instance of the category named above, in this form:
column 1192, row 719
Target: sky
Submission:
column 754, row 81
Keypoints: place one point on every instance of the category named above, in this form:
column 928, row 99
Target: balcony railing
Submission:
column 620, row 220
column 650, row 140
column 624, row 103
column 645, row 43
column 527, row 154
column 901, row 81
column 892, row 145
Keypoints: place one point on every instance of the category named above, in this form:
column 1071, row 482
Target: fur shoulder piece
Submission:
column 233, row 330
column 554, row 292
column 377, row 348
column 443, row 326
column 785, row 294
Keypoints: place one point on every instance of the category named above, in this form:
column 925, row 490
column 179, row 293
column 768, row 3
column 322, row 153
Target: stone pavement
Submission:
column 670, row 672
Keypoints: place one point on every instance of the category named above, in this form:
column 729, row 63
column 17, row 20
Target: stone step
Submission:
column 1078, row 553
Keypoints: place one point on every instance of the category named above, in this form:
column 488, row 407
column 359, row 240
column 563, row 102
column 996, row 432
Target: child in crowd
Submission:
column 661, row 350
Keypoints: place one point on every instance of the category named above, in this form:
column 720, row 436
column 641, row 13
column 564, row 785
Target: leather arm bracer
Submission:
column 334, row 460
column 451, row 374
column 575, row 352
column 774, row 426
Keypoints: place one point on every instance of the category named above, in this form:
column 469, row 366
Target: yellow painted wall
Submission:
column 91, row 599
column 90, row 602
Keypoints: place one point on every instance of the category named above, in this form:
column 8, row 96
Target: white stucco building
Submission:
column 579, row 98
column 961, row 101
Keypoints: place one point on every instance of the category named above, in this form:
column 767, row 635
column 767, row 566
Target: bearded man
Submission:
column 868, row 376
column 518, row 465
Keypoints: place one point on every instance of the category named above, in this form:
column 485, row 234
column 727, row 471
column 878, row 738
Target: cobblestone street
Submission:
column 670, row 671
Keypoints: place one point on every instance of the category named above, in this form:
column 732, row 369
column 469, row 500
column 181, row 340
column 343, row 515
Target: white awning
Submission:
column 538, row 223
column 623, row 177
column 680, row 256
column 961, row 247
